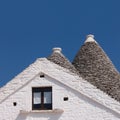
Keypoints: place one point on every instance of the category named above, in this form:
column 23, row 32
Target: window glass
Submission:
column 47, row 97
column 37, row 97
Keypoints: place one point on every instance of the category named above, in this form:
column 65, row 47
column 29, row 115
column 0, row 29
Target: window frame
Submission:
column 43, row 105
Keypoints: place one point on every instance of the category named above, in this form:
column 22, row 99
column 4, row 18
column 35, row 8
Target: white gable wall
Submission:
column 78, row 107
column 85, row 101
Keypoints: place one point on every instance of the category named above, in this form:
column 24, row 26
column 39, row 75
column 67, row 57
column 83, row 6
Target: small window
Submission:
column 42, row 98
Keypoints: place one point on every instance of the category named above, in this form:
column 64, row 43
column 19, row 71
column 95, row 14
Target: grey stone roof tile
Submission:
column 58, row 58
column 95, row 66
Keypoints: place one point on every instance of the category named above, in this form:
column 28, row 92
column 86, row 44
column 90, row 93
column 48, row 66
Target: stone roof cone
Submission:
column 95, row 66
column 58, row 58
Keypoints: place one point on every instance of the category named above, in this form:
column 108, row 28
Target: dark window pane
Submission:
column 36, row 106
column 48, row 106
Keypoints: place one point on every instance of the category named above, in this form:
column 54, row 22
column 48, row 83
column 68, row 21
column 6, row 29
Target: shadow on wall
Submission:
column 36, row 116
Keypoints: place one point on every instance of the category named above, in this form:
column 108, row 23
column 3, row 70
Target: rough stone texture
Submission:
column 85, row 101
column 61, row 60
column 95, row 66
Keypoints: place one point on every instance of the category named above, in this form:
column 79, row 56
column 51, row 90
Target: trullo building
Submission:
column 53, row 88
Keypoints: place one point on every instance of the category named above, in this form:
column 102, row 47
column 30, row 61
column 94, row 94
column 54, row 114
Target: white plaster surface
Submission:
column 85, row 101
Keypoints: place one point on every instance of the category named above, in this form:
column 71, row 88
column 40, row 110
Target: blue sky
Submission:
column 29, row 29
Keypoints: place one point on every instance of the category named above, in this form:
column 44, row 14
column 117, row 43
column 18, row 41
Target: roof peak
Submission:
column 96, row 67
column 57, row 49
column 90, row 38
column 58, row 58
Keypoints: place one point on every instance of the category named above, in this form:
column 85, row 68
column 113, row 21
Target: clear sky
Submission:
column 29, row 29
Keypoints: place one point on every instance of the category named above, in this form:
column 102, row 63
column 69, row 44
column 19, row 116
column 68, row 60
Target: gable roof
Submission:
column 65, row 77
column 95, row 66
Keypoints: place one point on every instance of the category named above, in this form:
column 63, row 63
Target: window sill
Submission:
column 43, row 111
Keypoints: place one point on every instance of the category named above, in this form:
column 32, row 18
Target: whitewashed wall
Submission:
column 78, row 107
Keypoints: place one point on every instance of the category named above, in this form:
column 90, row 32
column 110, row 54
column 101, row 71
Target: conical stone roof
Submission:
column 58, row 58
column 95, row 67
